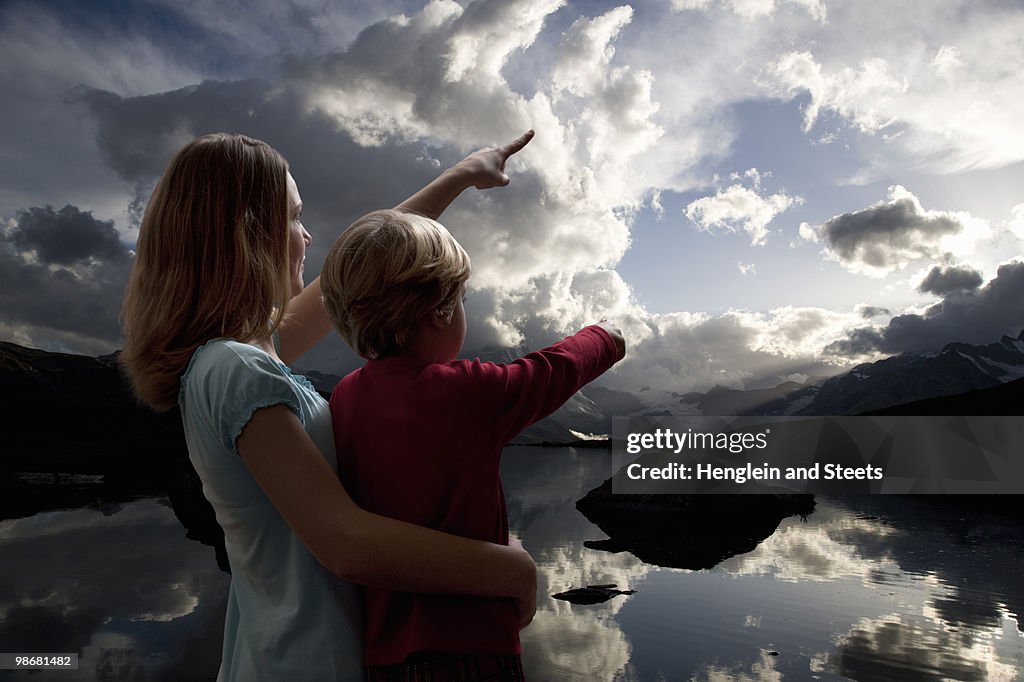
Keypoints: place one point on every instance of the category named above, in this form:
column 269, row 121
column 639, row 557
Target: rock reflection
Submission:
column 574, row 642
column 863, row 589
column 567, row 641
column 946, row 585
column 825, row 550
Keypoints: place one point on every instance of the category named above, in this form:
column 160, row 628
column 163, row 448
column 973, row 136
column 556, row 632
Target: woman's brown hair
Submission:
column 211, row 260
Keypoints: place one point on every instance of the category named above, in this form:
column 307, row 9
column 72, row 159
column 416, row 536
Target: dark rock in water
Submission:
column 75, row 436
column 591, row 594
column 689, row 531
column 75, row 414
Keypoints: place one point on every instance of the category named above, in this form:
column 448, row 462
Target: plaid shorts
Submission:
column 440, row 667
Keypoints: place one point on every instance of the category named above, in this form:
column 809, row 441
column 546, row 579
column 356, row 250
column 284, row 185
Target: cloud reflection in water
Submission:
column 120, row 586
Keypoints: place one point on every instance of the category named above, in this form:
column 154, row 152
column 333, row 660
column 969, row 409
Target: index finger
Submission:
column 516, row 144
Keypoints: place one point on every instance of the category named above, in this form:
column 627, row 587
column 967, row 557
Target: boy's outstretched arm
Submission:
column 483, row 169
column 532, row 387
column 616, row 334
column 306, row 320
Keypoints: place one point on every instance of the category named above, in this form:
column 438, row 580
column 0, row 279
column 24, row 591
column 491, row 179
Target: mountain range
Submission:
column 870, row 387
column 960, row 378
column 77, row 413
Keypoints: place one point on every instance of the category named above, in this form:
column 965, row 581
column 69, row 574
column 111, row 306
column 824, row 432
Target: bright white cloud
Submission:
column 752, row 9
column 1016, row 222
column 743, row 208
column 485, row 36
column 583, row 57
column 939, row 95
column 859, row 94
column 739, row 349
column 437, row 75
column 947, row 60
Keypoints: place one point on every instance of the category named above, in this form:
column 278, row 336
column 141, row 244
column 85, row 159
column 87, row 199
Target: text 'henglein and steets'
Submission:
column 678, row 442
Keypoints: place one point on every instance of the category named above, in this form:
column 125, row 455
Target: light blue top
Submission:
column 288, row 618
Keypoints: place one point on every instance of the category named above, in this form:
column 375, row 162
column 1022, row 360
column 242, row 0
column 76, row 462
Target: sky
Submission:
column 754, row 190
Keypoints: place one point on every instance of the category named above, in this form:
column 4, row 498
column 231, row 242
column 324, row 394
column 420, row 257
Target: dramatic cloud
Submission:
column 62, row 271
column 856, row 93
column 66, row 237
column 942, row 96
column 951, row 279
column 174, row 583
column 1016, row 223
column 541, row 269
column 635, row 107
column 683, row 352
column 870, row 311
column 889, row 235
column 48, row 140
column 973, row 316
column 741, row 208
column 752, row 9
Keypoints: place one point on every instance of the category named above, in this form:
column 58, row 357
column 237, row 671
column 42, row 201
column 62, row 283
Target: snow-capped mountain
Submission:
column 957, row 368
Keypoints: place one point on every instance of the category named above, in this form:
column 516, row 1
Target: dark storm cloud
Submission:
column 870, row 311
column 942, row 281
column 63, row 270
column 67, row 236
column 863, row 341
column 888, row 234
column 338, row 179
column 980, row 316
column 138, row 135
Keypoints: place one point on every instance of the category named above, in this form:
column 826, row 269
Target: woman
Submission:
column 214, row 310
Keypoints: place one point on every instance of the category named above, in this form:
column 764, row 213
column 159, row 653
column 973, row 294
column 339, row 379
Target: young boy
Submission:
column 419, row 434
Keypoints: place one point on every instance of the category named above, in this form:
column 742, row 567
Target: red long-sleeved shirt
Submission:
column 422, row 442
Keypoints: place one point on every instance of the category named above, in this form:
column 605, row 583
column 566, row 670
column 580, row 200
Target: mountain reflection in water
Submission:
column 879, row 588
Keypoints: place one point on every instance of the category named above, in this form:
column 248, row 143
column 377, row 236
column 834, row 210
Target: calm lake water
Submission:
column 873, row 588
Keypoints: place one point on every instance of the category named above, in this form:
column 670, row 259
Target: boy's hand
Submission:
column 527, row 603
column 485, row 167
column 616, row 334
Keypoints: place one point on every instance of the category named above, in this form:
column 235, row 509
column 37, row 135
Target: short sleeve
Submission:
column 228, row 381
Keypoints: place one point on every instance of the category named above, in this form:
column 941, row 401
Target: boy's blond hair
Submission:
column 385, row 274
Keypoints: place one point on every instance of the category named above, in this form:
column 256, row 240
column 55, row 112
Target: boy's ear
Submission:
column 439, row 319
